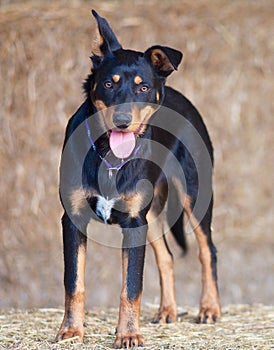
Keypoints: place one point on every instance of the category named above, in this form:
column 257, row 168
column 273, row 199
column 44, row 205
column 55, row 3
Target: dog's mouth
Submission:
column 121, row 143
column 123, row 131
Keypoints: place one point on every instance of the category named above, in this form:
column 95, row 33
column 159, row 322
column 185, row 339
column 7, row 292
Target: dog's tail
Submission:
column 176, row 228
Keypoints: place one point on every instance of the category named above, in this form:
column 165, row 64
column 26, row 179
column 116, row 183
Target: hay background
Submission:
column 227, row 72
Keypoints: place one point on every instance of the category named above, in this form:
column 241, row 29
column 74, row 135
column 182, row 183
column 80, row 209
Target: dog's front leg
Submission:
column 133, row 255
column 74, row 256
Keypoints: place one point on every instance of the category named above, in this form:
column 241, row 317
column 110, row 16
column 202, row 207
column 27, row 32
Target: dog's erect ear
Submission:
column 108, row 38
column 163, row 59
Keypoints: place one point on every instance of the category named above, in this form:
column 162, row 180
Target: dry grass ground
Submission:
column 227, row 72
column 242, row 327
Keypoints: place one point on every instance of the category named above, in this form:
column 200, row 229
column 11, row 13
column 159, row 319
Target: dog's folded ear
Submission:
column 163, row 59
column 109, row 42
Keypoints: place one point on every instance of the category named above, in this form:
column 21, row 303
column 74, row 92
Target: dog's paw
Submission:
column 209, row 314
column 125, row 341
column 77, row 333
column 167, row 314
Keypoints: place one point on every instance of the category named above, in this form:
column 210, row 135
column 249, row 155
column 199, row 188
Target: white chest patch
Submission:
column 104, row 206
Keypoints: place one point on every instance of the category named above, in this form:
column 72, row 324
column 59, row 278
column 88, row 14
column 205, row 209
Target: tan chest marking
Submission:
column 78, row 200
column 134, row 204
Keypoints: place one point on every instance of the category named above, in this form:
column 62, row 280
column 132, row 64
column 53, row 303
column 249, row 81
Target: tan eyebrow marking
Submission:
column 116, row 78
column 138, row 80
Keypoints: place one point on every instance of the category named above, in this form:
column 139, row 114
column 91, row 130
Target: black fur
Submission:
column 115, row 59
column 153, row 66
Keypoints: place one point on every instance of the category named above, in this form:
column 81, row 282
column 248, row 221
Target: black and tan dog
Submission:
column 130, row 132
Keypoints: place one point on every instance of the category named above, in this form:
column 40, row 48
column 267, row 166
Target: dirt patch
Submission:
column 242, row 327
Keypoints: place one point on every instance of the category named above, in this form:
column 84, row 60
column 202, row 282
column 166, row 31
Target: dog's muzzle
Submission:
column 122, row 120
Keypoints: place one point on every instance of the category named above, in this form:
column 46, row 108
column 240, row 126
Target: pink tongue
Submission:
column 122, row 143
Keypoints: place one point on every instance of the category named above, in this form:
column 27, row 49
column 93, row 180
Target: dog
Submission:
column 136, row 154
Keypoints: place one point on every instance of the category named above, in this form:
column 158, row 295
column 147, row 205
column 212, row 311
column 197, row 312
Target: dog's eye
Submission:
column 144, row 88
column 108, row 84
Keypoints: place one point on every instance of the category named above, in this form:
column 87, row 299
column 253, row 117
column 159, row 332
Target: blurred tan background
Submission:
column 227, row 72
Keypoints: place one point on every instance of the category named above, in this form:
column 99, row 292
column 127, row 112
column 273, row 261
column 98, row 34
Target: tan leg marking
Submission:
column 73, row 323
column 168, row 311
column 210, row 307
column 128, row 330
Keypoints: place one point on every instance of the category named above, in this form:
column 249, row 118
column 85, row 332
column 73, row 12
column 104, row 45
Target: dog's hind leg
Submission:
column 167, row 312
column 74, row 256
column 210, row 308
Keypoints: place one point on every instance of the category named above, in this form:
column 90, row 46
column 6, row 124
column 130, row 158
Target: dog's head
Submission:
column 127, row 86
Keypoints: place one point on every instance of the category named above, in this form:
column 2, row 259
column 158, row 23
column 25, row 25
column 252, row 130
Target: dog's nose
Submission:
column 122, row 121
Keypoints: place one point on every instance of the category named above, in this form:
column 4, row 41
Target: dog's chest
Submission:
column 112, row 210
column 104, row 207
column 114, row 197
